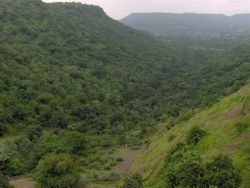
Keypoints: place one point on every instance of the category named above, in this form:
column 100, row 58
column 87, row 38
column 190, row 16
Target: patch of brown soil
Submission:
column 141, row 170
column 23, row 183
column 233, row 113
column 161, row 128
column 234, row 145
column 128, row 158
column 230, row 147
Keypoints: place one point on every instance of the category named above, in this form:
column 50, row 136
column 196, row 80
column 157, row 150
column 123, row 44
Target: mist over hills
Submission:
column 171, row 22
column 197, row 27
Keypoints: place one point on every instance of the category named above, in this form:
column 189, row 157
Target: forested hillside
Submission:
column 74, row 83
column 73, row 63
column 178, row 155
column 206, row 30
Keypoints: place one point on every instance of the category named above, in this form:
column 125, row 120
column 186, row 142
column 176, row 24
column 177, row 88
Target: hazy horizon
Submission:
column 118, row 9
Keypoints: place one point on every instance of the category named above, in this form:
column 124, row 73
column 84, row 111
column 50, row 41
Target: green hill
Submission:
column 227, row 126
column 68, row 63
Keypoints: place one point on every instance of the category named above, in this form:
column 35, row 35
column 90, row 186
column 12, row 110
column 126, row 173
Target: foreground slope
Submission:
column 228, row 133
column 227, row 124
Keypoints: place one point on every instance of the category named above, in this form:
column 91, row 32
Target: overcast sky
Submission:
column 121, row 8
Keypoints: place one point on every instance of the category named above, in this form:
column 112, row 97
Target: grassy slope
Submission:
column 223, row 138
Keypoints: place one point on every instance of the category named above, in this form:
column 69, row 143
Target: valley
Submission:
column 88, row 102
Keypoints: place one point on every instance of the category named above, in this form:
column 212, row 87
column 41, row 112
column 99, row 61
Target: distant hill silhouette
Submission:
column 195, row 26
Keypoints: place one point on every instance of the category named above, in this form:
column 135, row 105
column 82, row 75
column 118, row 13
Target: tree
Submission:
column 134, row 181
column 57, row 120
column 74, row 143
column 34, row 133
column 57, row 171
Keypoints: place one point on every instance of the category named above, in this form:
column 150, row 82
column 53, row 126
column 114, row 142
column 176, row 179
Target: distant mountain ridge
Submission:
column 196, row 26
column 187, row 19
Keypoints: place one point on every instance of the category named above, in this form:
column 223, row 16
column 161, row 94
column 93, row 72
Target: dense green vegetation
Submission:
column 220, row 155
column 206, row 30
column 74, row 83
column 64, row 67
column 4, row 182
column 58, row 171
column 23, row 154
column 185, row 169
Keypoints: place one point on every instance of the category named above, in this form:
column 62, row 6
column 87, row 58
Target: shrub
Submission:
column 171, row 137
column 241, row 126
column 176, row 152
column 12, row 156
column 73, row 142
column 107, row 166
column 134, row 181
column 57, row 171
column 194, row 135
column 4, row 182
column 57, row 120
column 119, row 159
column 186, row 171
column 16, row 167
column 190, row 172
column 221, row 173
column 2, row 129
column 34, row 133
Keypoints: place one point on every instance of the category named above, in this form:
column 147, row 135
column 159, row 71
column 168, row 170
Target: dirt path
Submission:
column 23, row 183
column 128, row 158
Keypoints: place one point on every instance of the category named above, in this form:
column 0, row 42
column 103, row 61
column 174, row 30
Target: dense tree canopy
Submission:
column 64, row 63
column 58, row 171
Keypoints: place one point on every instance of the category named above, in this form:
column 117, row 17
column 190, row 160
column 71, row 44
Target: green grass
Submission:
column 223, row 137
